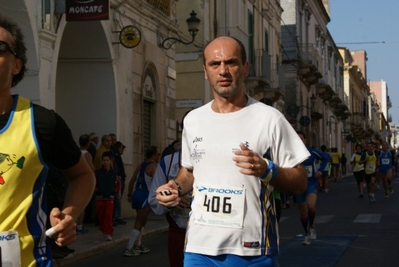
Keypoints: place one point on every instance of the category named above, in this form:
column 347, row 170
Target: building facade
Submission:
column 104, row 76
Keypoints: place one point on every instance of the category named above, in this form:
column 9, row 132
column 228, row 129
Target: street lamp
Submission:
column 313, row 99
column 192, row 23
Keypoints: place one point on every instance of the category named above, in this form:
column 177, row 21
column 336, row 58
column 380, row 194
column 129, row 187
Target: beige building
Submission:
column 314, row 96
column 380, row 90
column 103, row 76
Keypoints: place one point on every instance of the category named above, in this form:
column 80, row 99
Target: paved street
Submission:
column 371, row 228
column 341, row 213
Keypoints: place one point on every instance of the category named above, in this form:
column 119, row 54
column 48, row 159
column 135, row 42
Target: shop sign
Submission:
column 87, row 10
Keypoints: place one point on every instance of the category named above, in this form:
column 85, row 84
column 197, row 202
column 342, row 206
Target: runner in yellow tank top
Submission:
column 24, row 158
column 370, row 160
column 335, row 160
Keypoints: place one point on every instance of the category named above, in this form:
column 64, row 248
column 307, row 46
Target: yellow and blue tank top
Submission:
column 370, row 164
column 358, row 166
column 22, row 180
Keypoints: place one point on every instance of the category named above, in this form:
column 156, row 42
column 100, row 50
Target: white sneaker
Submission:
column 312, row 232
column 306, row 240
column 108, row 238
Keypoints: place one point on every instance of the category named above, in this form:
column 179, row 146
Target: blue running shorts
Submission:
column 200, row 260
column 312, row 188
column 140, row 200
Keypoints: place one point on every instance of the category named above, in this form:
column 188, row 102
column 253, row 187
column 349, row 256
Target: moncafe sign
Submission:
column 87, row 9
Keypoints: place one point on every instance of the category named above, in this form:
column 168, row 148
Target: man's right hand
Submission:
column 170, row 199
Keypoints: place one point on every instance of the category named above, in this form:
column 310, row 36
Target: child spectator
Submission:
column 107, row 186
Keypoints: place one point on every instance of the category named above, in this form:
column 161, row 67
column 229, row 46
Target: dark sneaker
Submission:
column 82, row 231
column 142, row 249
column 120, row 221
column 131, row 252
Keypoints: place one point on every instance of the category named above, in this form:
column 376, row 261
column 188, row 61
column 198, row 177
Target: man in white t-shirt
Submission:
column 237, row 149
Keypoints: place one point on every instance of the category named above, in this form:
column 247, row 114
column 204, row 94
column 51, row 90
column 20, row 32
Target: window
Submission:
column 267, row 42
column 46, row 17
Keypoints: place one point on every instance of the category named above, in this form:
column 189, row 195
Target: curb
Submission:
column 103, row 247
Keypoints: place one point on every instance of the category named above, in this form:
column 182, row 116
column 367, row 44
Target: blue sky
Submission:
column 368, row 21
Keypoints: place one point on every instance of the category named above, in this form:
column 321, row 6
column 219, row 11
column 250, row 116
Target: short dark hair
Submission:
column 84, row 139
column 18, row 45
column 150, row 151
column 243, row 54
column 106, row 154
column 323, row 148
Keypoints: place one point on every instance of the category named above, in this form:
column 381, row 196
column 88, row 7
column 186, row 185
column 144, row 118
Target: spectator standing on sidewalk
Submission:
column 92, row 149
column 138, row 197
column 343, row 164
column 84, row 143
column 106, row 188
column 307, row 200
column 237, row 149
column 118, row 149
column 106, row 142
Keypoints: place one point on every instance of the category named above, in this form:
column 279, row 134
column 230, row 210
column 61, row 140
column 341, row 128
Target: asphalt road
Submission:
column 158, row 255
column 339, row 213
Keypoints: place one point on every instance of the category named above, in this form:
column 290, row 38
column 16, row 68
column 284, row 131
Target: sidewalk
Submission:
column 94, row 243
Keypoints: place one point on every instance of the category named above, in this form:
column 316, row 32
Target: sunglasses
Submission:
column 4, row 47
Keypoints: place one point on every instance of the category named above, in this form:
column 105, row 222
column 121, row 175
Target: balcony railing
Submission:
column 310, row 64
column 310, row 56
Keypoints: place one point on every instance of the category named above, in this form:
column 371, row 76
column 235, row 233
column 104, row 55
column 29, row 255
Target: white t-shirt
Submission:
column 233, row 213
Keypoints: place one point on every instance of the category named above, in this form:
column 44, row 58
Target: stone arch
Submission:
column 85, row 84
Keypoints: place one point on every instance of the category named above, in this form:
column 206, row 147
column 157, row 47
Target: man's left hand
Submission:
column 250, row 162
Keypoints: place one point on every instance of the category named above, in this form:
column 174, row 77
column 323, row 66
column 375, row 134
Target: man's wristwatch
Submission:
column 179, row 189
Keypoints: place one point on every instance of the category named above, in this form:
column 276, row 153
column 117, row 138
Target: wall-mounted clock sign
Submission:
column 130, row 36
